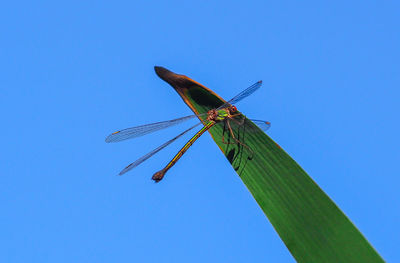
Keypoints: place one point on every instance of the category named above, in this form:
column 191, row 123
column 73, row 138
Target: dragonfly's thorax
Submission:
column 220, row 115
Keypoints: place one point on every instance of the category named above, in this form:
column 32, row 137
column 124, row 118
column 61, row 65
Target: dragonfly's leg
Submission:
column 231, row 131
column 223, row 137
column 241, row 122
column 224, row 142
column 238, row 122
column 239, row 142
column 234, row 115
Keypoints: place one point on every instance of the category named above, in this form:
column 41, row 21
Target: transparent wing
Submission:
column 247, row 92
column 242, row 123
column 156, row 150
column 263, row 125
column 138, row 131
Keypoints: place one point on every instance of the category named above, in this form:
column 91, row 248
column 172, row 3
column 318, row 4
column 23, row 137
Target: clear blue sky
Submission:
column 72, row 72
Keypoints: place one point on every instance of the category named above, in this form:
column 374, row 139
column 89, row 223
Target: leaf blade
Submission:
column 310, row 224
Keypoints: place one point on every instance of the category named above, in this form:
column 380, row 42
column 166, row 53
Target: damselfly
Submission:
column 225, row 114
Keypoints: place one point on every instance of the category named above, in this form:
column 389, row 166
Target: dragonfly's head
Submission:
column 232, row 109
column 212, row 115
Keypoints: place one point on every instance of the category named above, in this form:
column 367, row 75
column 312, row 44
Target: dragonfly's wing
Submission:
column 245, row 125
column 156, row 150
column 145, row 129
column 247, row 92
column 149, row 128
column 263, row 125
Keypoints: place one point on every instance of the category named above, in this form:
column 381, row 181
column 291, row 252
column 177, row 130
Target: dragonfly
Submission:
column 225, row 114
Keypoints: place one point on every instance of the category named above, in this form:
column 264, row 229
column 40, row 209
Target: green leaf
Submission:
column 312, row 227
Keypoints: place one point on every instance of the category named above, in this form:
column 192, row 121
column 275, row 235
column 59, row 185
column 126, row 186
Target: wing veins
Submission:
column 156, row 150
column 141, row 130
column 244, row 94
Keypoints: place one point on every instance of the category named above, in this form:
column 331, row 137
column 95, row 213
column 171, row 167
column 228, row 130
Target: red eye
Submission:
column 233, row 109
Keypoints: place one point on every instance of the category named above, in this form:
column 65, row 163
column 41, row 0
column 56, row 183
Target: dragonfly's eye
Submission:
column 233, row 109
